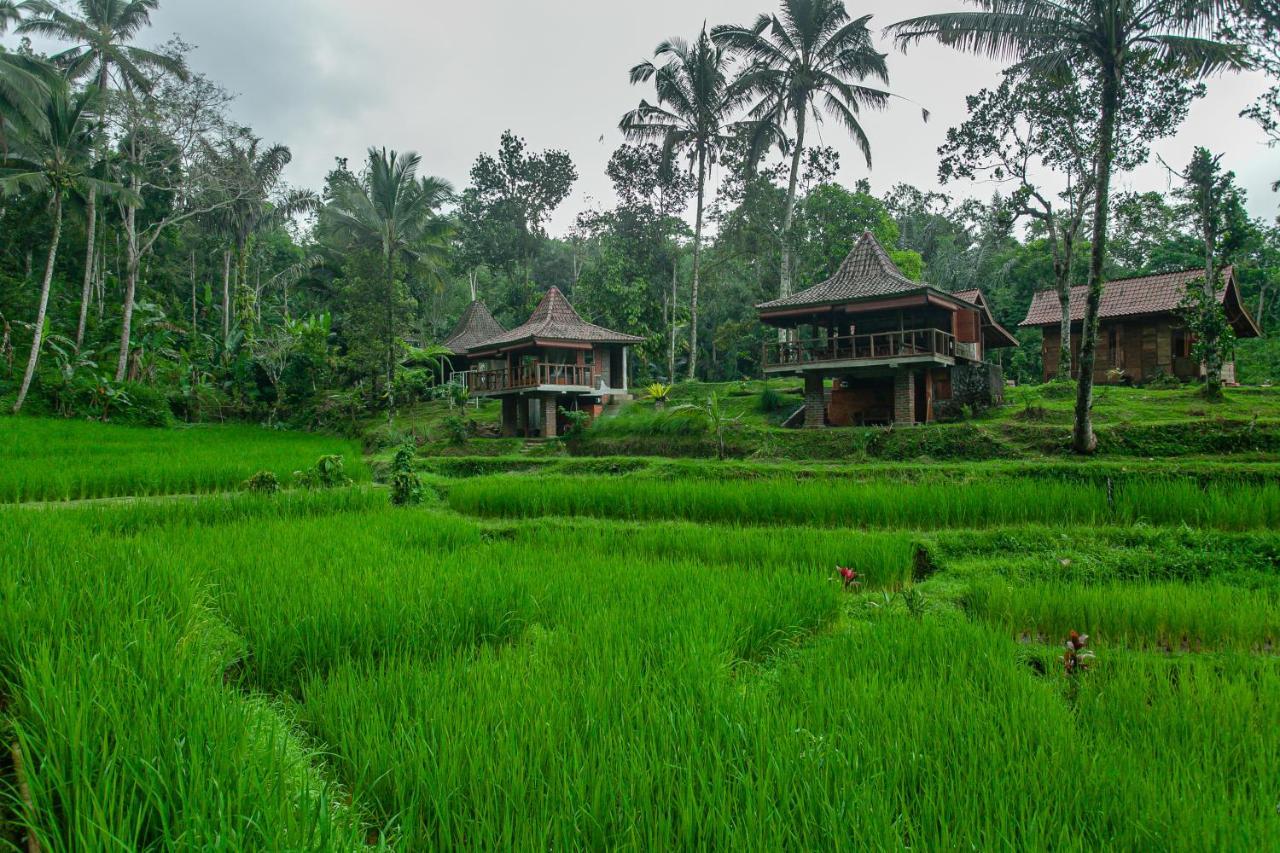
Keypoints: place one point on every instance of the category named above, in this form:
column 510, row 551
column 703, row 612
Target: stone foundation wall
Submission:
column 815, row 402
column 904, row 397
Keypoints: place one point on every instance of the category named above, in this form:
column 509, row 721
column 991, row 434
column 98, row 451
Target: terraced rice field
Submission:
column 537, row 662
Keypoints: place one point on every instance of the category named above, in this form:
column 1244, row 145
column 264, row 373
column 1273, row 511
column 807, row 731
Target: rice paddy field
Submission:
column 624, row 656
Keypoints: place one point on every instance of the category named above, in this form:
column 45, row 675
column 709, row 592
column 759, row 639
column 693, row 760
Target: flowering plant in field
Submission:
column 849, row 577
column 1077, row 657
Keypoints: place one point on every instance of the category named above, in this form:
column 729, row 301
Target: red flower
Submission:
column 850, row 577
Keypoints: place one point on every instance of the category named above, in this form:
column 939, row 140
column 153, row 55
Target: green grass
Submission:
column 652, row 656
column 779, row 501
column 56, row 460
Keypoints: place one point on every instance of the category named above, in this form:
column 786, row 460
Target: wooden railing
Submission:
column 877, row 345
column 531, row 376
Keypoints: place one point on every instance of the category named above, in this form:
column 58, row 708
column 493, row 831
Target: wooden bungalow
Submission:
column 475, row 325
column 555, row 360
column 875, row 347
column 1141, row 331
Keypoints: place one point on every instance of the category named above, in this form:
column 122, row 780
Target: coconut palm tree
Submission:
column 1103, row 39
column 101, row 36
column 54, row 158
column 697, row 99
column 394, row 212
column 254, row 173
column 22, row 87
column 807, row 62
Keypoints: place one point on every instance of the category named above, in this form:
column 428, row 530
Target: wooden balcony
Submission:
column 917, row 346
column 532, row 377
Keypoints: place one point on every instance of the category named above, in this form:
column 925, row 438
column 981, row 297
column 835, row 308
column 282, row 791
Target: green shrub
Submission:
column 263, row 483
column 328, row 473
column 458, row 429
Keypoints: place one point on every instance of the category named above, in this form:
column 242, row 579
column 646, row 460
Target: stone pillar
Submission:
column 522, row 416
column 510, row 408
column 549, row 417
column 815, row 401
column 904, row 397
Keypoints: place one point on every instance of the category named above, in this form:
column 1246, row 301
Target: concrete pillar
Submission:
column 815, row 401
column 522, row 416
column 904, row 397
column 549, row 417
column 510, row 407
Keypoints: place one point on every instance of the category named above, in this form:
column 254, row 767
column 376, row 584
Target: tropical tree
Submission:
column 1102, row 40
column 807, row 62
column 1209, row 197
column 53, row 159
column 253, row 175
column 394, row 212
column 697, row 99
column 101, row 51
column 22, row 89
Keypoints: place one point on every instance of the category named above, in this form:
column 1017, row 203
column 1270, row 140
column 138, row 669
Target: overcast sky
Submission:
column 333, row 77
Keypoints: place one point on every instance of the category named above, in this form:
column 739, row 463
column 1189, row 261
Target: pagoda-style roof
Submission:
column 474, row 326
column 554, row 321
column 868, row 272
column 1162, row 293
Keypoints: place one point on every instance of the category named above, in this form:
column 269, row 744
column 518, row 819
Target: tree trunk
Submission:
column 1084, row 441
column 194, row 313
column 91, row 225
column 1212, row 345
column 391, row 338
column 786, row 288
column 1262, row 302
column 1064, row 352
column 226, row 294
column 132, row 263
column 697, row 267
column 671, row 310
column 37, row 337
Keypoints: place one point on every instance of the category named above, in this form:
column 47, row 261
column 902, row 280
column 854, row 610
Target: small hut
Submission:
column 475, row 325
column 554, row 361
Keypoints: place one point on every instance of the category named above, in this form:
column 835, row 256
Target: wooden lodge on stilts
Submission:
column 554, row 362
column 875, row 347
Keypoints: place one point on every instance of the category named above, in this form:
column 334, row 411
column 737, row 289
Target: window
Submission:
column 1180, row 344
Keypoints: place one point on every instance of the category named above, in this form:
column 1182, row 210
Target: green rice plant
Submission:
column 778, row 501
column 1174, row 617
column 56, row 460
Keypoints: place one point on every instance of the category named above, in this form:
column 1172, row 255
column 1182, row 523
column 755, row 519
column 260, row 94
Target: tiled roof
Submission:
column 475, row 325
column 867, row 272
column 554, row 319
column 970, row 296
column 1148, row 294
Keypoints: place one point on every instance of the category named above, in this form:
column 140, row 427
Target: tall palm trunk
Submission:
column 1084, row 441
column 132, row 263
column 226, row 294
column 787, row 287
column 671, row 317
column 91, row 220
column 91, row 223
column 697, row 266
column 37, row 337
column 391, row 338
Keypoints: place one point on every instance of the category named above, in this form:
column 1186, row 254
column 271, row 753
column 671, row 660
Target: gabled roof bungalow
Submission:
column 875, row 347
column 1142, row 333
column 555, row 360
